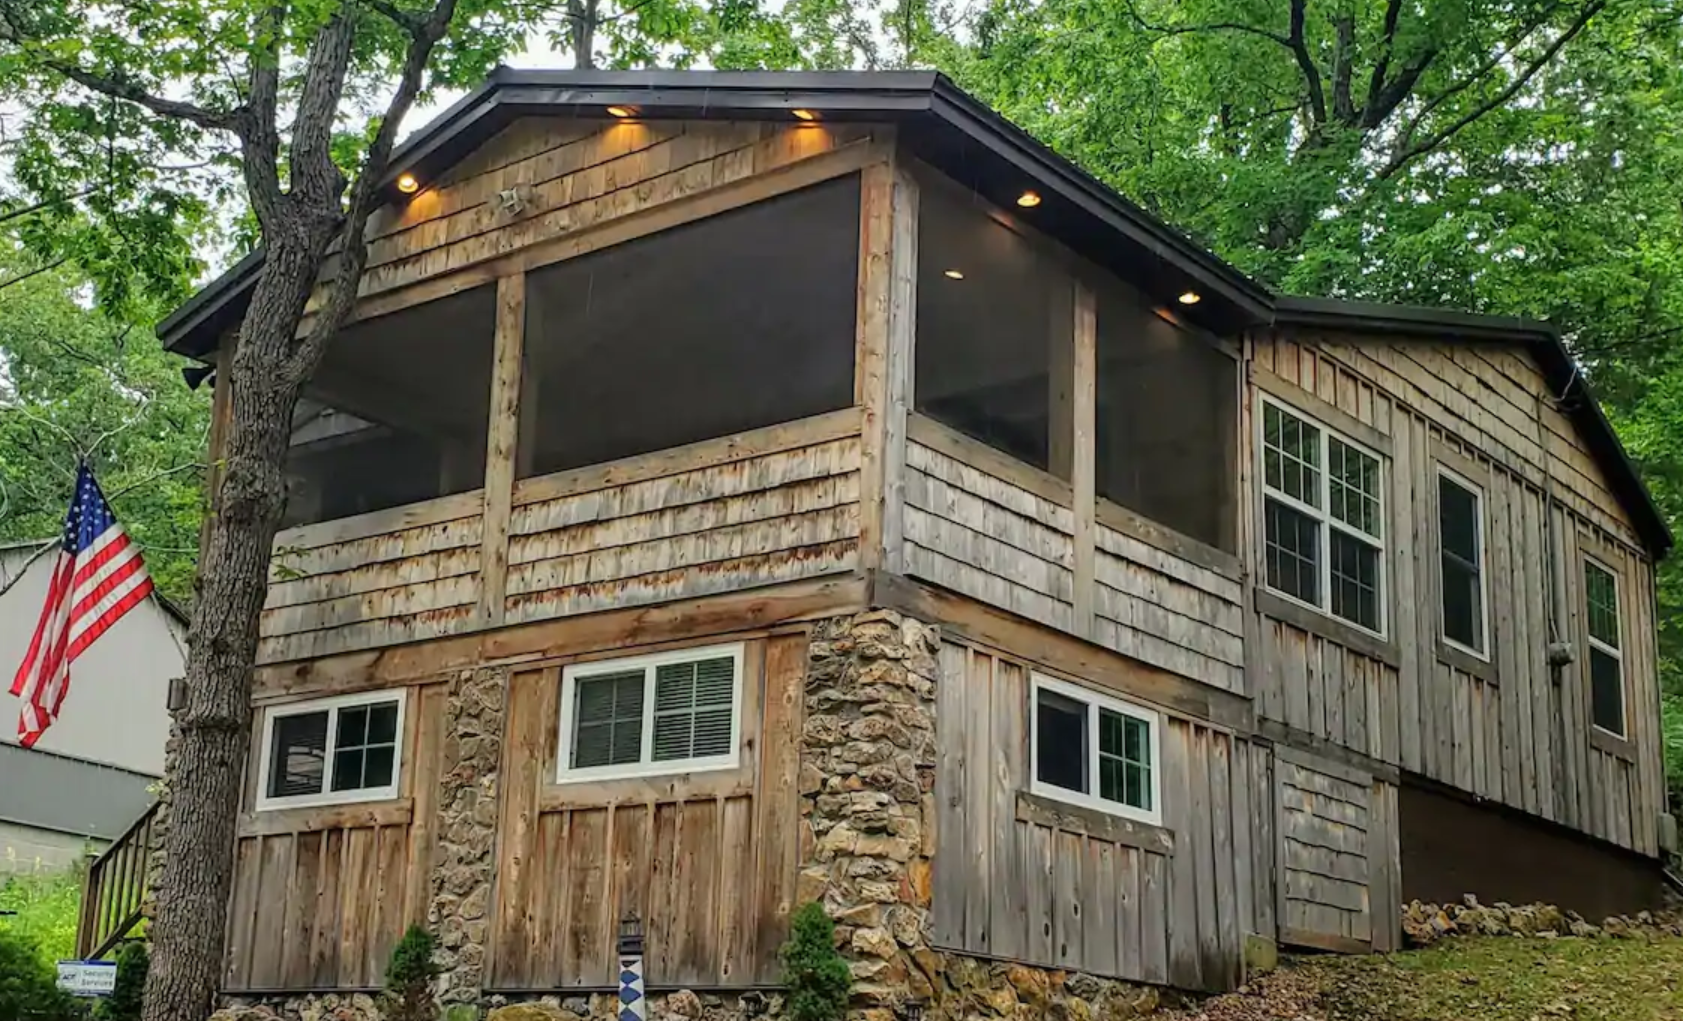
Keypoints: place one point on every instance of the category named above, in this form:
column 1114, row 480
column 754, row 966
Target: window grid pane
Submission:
column 1124, row 760
column 1355, row 580
column 1353, row 487
column 366, row 750
column 1291, row 456
column 1292, row 548
column 1601, row 593
column 1462, row 564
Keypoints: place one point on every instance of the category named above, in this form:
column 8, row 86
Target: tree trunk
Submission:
column 196, row 877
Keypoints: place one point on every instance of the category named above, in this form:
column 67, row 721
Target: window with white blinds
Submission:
column 674, row 712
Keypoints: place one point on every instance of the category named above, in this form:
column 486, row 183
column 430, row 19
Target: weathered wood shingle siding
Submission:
column 1024, row 878
column 1514, row 731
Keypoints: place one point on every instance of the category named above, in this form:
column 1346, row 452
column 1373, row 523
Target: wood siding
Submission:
column 1025, row 878
column 778, row 505
column 998, row 531
column 707, row 860
column 1513, row 730
column 322, row 895
column 1332, row 841
column 377, row 579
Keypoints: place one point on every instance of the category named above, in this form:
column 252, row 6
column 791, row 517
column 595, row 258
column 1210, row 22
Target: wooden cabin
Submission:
column 741, row 489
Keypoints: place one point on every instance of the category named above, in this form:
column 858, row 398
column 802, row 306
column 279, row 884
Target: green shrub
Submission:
column 124, row 1002
column 409, row 976
column 46, row 906
column 816, row 975
column 29, row 984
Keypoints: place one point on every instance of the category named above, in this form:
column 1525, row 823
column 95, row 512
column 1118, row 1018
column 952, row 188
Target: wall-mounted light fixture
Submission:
column 623, row 111
column 408, row 183
column 1028, row 199
column 955, row 274
column 804, row 115
column 1190, row 298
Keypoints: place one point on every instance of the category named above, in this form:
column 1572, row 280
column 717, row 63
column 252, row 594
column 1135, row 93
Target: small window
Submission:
column 1323, row 519
column 332, row 751
column 1095, row 751
column 1461, row 541
column 672, row 713
column 1606, row 661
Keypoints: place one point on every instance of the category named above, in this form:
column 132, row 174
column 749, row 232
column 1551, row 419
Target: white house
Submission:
column 88, row 777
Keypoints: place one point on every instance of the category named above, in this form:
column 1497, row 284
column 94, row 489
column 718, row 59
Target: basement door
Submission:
column 1337, row 862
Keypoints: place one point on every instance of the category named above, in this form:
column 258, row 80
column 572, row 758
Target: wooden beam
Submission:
column 902, row 361
column 1084, row 453
column 502, row 441
column 870, row 357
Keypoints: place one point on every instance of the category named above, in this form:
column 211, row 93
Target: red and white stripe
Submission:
column 87, row 595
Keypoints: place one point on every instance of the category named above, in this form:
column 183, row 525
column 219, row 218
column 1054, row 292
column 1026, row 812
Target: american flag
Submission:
column 98, row 577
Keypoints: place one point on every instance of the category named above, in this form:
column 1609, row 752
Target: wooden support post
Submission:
column 503, row 439
column 1084, row 453
column 871, row 351
column 902, row 359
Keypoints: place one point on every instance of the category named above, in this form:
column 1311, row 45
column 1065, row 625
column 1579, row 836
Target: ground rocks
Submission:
column 1427, row 923
column 327, row 1007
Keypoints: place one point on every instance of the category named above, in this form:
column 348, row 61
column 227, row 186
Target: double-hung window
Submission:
column 1324, row 512
column 1606, row 660
column 1094, row 751
column 675, row 712
column 1461, row 563
column 332, row 751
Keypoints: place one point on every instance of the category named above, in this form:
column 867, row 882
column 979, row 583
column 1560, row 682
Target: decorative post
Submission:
column 632, row 1003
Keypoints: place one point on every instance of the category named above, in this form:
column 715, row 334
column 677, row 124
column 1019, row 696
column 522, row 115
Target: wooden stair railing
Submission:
column 114, row 893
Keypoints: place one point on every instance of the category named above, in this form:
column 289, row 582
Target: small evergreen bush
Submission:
column 816, row 975
column 409, row 975
column 28, row 984
column 124, row 1002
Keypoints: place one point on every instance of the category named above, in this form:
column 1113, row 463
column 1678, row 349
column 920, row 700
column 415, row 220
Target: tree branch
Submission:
column 1306, row 63
column 258, row 132
column 1343, row 61
column 1212, row 26
column 1382, row 66
column 1411, row 151
column 116, row 87
column 23, row 569
column 365, row 196
column 315, row 177
column 13, row 214
column 21, row 277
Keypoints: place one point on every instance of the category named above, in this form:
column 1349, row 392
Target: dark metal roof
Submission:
column 48, row 791
column 969, row 142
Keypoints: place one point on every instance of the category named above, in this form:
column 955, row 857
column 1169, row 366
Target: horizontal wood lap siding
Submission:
column 569, row 177
column 1158, row 608
column 779, row 516
column 707, row 861
column 321, row 896
column 983, row 536
column 1047, row 888
column 1325, row 845
column 378, row 579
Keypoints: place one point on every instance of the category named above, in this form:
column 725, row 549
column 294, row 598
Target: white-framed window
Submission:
column 1606, row 656
column 332, row 751
column 1324, row 513
column 1095, row 751
column 1463, row 599
column 672, row 712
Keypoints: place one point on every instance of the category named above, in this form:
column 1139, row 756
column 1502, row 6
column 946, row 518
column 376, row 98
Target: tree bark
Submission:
column 196, row 877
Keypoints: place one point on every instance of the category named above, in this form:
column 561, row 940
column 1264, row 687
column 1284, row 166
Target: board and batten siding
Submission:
column 996, row 530
column 1026, row 878
column 322, row 895
column 1513, row 731
column 707, row 860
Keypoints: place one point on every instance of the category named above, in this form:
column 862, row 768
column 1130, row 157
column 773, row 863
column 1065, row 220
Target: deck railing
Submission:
column 114, row 894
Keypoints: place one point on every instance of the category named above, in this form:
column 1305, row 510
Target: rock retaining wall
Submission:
column 1424, row 924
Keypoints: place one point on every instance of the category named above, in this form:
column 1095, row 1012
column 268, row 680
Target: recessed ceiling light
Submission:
column 623, row 111
column 805, row 115
column 407, row 184
column 955, row 274
column 1028, row 199
column 1190, row 298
